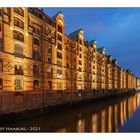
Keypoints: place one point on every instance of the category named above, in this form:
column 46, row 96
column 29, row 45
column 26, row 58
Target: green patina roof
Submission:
column 55, row 16
column 100, row 49
column 75, row 33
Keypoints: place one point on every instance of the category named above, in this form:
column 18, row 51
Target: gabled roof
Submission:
column 100, row 49
column 55, row 16
column 75, row 33
column 91, row 42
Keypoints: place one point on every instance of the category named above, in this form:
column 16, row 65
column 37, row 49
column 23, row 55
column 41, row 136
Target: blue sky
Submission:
column 116, row 29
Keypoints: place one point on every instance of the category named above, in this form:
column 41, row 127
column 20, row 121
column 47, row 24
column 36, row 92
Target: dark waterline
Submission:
column 115, row 115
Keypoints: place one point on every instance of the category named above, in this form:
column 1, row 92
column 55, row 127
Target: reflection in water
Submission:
column 105, row 116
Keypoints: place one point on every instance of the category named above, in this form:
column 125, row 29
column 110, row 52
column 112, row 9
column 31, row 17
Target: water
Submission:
column 115, row 115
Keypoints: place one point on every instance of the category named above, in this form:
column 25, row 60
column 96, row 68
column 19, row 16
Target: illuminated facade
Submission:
column 37, row 56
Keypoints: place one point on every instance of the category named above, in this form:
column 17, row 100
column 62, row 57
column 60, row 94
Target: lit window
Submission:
column 1, row 84
column 19, row 36
column 19, row 11
column 18, row 84
column 59, row 74
column 36, row 41
column 59, row 85
column 36, row 84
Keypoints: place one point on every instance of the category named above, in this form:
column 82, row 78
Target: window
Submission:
column 36, row 55
column 0, row 12
column 59, row 63
column 80, row 69
column 36, row 84
column 81, row 42
column 67, row 75
column 18, row 70
column 59, row 29
column 49, row 72
column 36, row 41
column 59, row 55
column 1, row 65
column 19, row 36
column 59, row 73
column 0, row 44
column 80, row 55
column 18, row 23
column 18, row 51
column 59, row 46
column 19, row 11
column 18, row 84
column 80, row 62
column 49, row 60
column 0, row 27
column 59, row 85
column 31, row 10
column 67, row 65
column 36, row 69
column 1, row 84
column 49, row 85
column 49, row 50
column 59, row 37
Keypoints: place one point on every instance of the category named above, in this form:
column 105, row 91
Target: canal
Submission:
column 113, row 115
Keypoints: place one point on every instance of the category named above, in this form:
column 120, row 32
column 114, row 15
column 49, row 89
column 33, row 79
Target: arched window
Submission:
column 19, row 36
column 36, row 41
column 19, row 11
column 1, row 83
column 36, row 84
column 18, row 23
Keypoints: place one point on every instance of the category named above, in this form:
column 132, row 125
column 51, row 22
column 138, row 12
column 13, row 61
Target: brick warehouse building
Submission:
column 36, row 56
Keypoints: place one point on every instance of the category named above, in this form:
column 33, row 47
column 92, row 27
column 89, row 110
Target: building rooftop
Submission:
column 75, row 33
column 55, row 16
column 100, row 49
